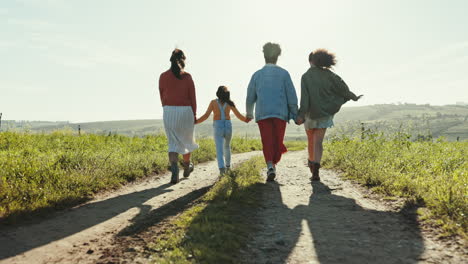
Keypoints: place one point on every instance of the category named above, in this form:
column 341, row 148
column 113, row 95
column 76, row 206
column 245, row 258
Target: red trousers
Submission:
column 272, row 132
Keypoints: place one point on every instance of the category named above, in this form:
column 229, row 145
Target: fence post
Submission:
column 458, row 138
column 1, row 121
column 362, row 131
column 79, row 130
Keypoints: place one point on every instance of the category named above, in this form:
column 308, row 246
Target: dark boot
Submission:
column 311, row 166
column 175, row 172
column 188, row 168
column 315, row 173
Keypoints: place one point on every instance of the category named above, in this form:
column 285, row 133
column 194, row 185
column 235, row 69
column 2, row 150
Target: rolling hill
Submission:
column 449, row 121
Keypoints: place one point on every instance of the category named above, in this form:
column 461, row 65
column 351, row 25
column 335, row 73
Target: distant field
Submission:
column 450, row 121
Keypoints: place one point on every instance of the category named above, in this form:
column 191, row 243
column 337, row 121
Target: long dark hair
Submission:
column 322, row 58
column 177, row 62
column 224, row 95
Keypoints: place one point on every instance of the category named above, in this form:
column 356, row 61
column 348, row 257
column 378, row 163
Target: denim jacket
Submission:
column 273, row 94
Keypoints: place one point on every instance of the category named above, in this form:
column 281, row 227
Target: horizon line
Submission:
column 460, row 103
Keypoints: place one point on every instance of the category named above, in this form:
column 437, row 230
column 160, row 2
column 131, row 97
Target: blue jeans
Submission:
column 222, row 137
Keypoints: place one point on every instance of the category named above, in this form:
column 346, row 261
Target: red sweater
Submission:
column 177, row 92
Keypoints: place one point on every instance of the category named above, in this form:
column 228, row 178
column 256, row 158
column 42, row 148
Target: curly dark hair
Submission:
column 322, row 58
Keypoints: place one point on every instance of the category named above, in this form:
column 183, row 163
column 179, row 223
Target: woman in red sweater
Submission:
column 178, row 98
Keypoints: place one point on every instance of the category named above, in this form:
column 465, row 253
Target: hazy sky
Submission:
column 94, row 60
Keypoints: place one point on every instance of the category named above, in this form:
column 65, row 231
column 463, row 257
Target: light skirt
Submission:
column 179, row 126
column 323, row 122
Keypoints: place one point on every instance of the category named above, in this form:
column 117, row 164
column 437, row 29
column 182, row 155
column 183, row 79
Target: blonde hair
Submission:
column 271, row 50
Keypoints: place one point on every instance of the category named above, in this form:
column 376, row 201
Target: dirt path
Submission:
column 81, row 234
column 333, row 221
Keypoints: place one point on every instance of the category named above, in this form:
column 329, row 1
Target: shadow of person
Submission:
column 332, row 229
column 344, row 232
column 18, row 239
column 278, row 231
column 209, row 235
column 148, row 217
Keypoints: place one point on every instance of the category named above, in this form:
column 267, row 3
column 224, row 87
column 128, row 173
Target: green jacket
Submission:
column 322, row 93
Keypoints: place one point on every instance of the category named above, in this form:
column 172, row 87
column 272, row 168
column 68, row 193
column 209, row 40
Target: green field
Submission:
column 40, row 171
column 433, row 175
column 430, row 175
column 49, row 171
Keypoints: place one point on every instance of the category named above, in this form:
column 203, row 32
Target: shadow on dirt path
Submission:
column 330, row 222
column 79, row 234
column 131, row 243
column 76, row 220
column 344, row 232
column 335, row 229
column 148, row 217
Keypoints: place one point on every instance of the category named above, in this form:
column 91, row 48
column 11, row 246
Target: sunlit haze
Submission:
column 100, row 60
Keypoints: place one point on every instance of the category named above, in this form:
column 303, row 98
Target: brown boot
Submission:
column 315, row 172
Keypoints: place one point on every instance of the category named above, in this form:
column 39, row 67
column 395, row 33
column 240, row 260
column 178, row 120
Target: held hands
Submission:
column 299, row 121
column 248, row 118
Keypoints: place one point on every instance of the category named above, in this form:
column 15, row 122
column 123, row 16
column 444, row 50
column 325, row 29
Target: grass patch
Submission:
column 214, row 230
column 48, row 171
column 295, row 145
column 430, row 174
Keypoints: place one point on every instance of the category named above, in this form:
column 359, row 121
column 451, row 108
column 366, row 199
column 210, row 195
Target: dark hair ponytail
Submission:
column 177, row 62
column 322, row 58
column 224, row 95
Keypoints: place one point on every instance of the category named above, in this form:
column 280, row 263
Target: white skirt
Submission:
column 179, row 125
